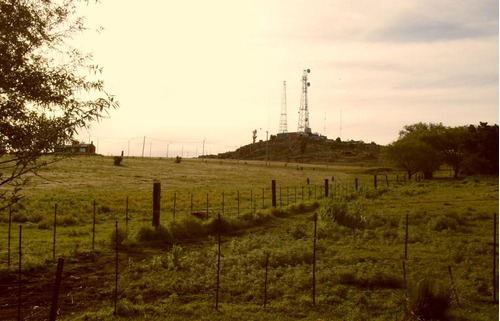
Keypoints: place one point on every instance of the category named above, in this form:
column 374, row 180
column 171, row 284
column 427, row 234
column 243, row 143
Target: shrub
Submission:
column 118, row 238
column 19, row 217
column 427, row 301
column 154, row 234
column 345, row 214
column 187, row 227
column 118, row 160
column 441, row 223
column 45, row 225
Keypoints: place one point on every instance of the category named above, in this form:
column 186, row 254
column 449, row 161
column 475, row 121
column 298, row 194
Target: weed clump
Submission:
column 154, row 234
column 350, row 215
column 117, row 239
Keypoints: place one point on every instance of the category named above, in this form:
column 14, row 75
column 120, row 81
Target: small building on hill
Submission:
column 78, row 148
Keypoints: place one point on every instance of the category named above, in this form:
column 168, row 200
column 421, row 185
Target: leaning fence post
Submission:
column 387, row 180
column 19, row 274
column 57, row 286
column 54, row 242
column 156, row 203
column 314, row 260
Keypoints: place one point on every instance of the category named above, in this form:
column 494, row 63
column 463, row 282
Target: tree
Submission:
column 481, row 149
column 412, row 155
column 48, row 90
column 254, row 136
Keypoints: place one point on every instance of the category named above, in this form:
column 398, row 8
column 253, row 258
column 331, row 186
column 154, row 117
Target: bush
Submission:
column 187, row 227
column 118, row 160
column 441, row 223
column 154, row 234
column 345, row 214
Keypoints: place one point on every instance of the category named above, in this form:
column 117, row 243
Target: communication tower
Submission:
column 304, row 109
column 283, row 124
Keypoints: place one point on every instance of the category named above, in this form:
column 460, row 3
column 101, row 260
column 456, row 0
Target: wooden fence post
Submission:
column 19, row 274
column 93, row 229
column 356, row 183
column 191, row 203
column 54, row 239
column 273, row 193
column 126, row 214
column 494, row 257
column 263, row 192
column 57, row 286
column 406, row 237
column 8, row 235
column 218, row 264
column 222, row 203
column 116, row 265
column 156, row 203
column 375, row 181
column 265, row 281
column 326, row 187
column 387, row 180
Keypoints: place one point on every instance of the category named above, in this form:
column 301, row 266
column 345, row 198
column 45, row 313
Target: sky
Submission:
column 198, row 76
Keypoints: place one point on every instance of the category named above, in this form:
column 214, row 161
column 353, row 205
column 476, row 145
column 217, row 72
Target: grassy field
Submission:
column 170, row 273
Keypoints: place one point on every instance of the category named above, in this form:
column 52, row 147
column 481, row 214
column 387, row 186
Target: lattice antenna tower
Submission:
column 283, row 123
column 304, row 108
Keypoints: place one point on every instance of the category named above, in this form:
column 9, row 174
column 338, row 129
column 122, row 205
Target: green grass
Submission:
column 169, row 273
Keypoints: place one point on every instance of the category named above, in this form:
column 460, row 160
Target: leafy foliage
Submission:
column 43, row 100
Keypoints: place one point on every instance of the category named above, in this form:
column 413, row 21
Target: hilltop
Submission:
column 304, row 150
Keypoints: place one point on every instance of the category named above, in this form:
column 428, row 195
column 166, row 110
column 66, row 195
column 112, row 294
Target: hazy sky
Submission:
column 185, row 71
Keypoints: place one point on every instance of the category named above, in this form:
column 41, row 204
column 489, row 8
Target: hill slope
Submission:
column 308, row 151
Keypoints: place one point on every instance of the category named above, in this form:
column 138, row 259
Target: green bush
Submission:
column 187, row 228
column 441, row 223
column 343, row 213
column 154, row 234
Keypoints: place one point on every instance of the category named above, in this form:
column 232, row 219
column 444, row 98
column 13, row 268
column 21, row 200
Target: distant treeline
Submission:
column 426, row 147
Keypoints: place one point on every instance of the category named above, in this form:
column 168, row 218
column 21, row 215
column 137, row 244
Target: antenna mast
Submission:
column 283, row 124
column 304, row 109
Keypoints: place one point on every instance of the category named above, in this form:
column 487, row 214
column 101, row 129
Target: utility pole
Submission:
column 143, row 143
column 267, row 132
column 203, row 154
column 167, row 149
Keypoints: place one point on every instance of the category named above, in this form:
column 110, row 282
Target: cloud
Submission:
column 442, row 21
